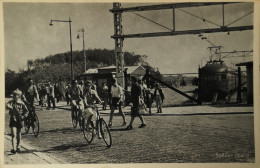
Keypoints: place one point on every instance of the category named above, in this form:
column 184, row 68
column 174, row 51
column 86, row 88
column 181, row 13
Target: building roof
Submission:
column 109, row 67
column 245, row 63
column 130, row 69
column 91, row 71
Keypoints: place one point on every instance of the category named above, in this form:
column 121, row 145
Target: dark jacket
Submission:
column 136, row 92
column 160, row 92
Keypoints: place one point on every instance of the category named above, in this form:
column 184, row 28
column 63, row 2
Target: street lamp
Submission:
column 71, row 65
column 78, row 37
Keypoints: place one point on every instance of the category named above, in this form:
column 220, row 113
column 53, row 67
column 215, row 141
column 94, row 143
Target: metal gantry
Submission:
column 118, row 31
column 118, row 28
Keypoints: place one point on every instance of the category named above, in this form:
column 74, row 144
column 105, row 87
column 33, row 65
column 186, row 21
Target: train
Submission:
column 217, row 82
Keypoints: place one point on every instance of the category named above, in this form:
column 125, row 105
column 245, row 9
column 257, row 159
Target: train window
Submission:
column 213, row 77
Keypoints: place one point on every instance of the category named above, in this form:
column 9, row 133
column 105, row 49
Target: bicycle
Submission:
column 32, row 121
column 75, row 116
column 90, row 131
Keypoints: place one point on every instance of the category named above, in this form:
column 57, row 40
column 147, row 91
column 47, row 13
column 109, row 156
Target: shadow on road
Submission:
column 191, row 114
column 63, row 130
column 28, row 151
column 118, row 129
column 231, row 105
column 77, row 147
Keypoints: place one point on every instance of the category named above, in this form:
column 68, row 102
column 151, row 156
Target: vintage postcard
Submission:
column 130, row 84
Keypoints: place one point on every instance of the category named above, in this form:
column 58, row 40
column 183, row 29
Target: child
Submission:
column 17, row 111
column 149, row 100
column 159, row 97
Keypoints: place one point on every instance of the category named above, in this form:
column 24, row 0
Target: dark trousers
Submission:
column 51, row 99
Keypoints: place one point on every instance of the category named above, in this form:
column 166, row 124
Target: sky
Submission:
column 27, row 34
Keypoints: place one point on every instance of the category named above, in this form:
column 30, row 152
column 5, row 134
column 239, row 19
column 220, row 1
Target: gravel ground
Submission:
column 165, row 139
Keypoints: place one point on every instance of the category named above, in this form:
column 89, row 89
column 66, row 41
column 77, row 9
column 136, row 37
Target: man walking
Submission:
column 51, row 96
column 116, row 94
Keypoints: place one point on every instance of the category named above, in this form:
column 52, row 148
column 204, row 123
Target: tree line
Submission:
column 56, row 67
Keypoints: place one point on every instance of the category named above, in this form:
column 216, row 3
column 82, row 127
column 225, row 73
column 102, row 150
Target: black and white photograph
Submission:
column 131, row 84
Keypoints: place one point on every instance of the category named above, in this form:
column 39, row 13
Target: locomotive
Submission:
column 216, row 81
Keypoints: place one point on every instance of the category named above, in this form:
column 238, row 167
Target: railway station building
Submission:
column 104, row 74
column 249, row 86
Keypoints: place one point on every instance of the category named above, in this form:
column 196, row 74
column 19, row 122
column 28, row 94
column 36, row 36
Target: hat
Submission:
column 74, row 81
column 88, row 84
column 133, row 79
column 28, row 80
column 113, row 80
column 17, row 92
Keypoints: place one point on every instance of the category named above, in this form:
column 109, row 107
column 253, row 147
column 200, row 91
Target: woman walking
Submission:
column 104, row 95
column 136, row 95
column 17, row 111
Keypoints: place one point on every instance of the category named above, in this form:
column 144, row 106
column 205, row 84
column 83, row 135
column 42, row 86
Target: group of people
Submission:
column 47, row 93
column 83, row 96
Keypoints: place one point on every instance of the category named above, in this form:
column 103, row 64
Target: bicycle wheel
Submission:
column 35, row 125
column 88, row 132
column 27, row 125
column 105, row 132
column 80, row 120
column 74, row 118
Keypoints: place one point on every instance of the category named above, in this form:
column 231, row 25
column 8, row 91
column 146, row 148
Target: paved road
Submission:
column 203, row 134
column 28, row 155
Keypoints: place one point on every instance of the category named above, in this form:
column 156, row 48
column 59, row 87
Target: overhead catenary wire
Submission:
column 203, row 19
column 240, row 18
column 152, row 21
column 211, row 43
column 207, row 25
column 237, row 54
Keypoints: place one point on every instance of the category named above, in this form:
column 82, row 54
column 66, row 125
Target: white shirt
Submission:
column 116, row 91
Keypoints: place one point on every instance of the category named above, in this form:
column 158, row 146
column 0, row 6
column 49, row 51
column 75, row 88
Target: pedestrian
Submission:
column 57, row 92
column 43, row 96
column 136, row 95
column 81, row 85
column 51, row 96
column 104, row 95
column 94, row 86
column 117, row 95
column 128, row 93
column 67, row 93
column 159, row 97
column 149, row 100
column 18, row 112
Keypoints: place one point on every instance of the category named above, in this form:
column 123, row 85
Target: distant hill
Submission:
column 57, row 67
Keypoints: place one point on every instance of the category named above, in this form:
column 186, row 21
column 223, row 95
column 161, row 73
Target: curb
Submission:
column 37, row 154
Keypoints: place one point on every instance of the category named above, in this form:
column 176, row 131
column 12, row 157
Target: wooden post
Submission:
column 199, row 89
column 239, row 86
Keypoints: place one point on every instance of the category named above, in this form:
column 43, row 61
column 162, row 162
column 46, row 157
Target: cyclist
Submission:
column 29, row 93
column 90, row 96
column 75, row 96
